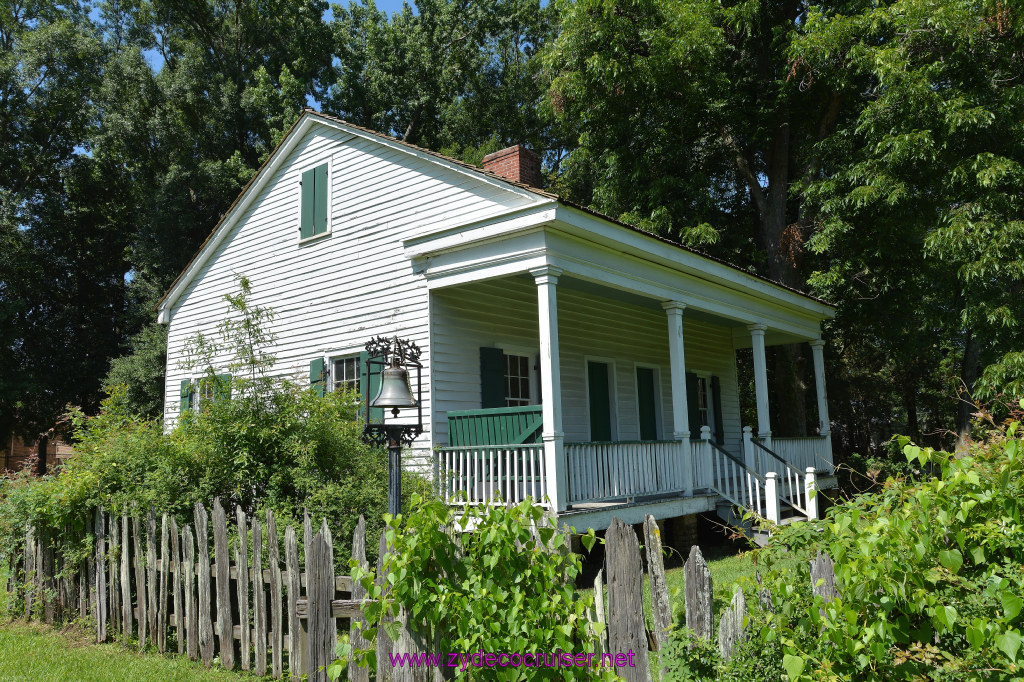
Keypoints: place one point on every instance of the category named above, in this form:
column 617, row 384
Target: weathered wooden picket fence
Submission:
column 261, row 610
column 248, row 603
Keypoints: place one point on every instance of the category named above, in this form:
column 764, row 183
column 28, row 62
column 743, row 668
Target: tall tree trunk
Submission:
column 910, row 405
column 965, row 398
column 782, row 242
column 43, row 446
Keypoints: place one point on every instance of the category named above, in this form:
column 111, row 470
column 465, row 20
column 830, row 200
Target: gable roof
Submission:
column 290, row 138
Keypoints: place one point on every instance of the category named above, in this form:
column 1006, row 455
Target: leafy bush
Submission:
column 506, row 586
column 930, row 573
column 265, row 442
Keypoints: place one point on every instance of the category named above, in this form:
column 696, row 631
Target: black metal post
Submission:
column 394, row 435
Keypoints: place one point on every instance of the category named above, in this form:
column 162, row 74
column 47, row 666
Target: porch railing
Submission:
column 738, row 484
column 809, row 451
column 792, row 486
column 606, row 471
column 486, row 474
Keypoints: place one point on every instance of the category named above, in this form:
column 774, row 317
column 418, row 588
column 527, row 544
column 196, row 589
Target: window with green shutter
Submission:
column 186, row 395
column 318, row 376
column 314, row 204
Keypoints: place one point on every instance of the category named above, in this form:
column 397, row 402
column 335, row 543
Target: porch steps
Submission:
column 733, row 517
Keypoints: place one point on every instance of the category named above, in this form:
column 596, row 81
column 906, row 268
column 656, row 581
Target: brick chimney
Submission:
column 518, row 164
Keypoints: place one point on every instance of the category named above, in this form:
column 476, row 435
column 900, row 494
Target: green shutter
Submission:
column 600, row 402
column 646, row 403
column 185, row 395
column 308, row 212
column 492, row 377
column 320, row 193
column 223, row 387
column 318, row 376
column 716, row 401
column 692, row 404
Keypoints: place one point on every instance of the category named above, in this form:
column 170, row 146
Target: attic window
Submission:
column 313, row 220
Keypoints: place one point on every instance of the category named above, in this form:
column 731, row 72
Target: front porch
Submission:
column 624, row 477
column 588, row 378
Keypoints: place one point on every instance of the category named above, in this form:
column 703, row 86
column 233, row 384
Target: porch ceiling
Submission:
column 639, row 278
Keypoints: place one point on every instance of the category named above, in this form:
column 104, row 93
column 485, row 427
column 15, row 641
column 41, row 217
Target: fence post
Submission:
column 125, row 580
column 202, row 544
column 188, row 557
column 177, row 600
column 242, row 583
column 732, row 631
column 162, row 586
column 320, row 591
column 259, row 594
column 140, row 578
column 152, row 576
column 355, row 673
column 771, row 497
column 810, row 490
column 626, row 629
column 276, row 620
column 296, row 647
column 698, row 594
column 660, row 605
column 101, row 577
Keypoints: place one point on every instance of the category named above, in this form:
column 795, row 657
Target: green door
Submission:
column 600, row 401
column 646, row 404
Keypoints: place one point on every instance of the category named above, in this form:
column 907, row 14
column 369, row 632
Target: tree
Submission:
column 458, row 77
column 693, row 121
column 923, row 212
column 56, row 252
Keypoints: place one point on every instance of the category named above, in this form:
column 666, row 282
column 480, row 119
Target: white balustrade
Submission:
column 608, row 471
column 809, row 451
column 736, row 483
column 489, row 474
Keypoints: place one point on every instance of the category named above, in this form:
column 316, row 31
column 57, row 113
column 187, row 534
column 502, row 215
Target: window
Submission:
column 207, row 390
column 517, row 380
column 195, row 393
column 345, row 373
column 314, row 204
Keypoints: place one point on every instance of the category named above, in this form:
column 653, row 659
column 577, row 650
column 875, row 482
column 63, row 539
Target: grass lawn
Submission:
column 38, row 654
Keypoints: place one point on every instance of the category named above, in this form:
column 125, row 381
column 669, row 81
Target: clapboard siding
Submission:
column 331, row 294
column 503, row 313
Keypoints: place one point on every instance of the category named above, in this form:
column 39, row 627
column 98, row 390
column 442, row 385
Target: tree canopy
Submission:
column 867, row 151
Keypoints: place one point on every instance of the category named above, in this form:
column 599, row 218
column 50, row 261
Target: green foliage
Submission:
column 262, row 442
column 920, row 212
column 504, row 585
column 446, row 75
column 141, row 372
column 930, row 575
column 687, row 658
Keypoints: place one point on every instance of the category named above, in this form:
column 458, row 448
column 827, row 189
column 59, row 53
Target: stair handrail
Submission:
column 716, row 446
column 792, row 490
column 746, row 490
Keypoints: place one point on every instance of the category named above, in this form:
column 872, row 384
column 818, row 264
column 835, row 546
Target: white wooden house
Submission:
column 566, row 356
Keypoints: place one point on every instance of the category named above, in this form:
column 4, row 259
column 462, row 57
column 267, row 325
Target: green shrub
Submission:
column 264, row 443
column 498, row 588
column 930, row 573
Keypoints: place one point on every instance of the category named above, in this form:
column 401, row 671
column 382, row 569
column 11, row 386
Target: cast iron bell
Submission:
column 395, row 391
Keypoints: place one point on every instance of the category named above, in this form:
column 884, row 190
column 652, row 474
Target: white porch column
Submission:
column 764, row 424
column 818, row 353
column 677, row 367
column 551, row 384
